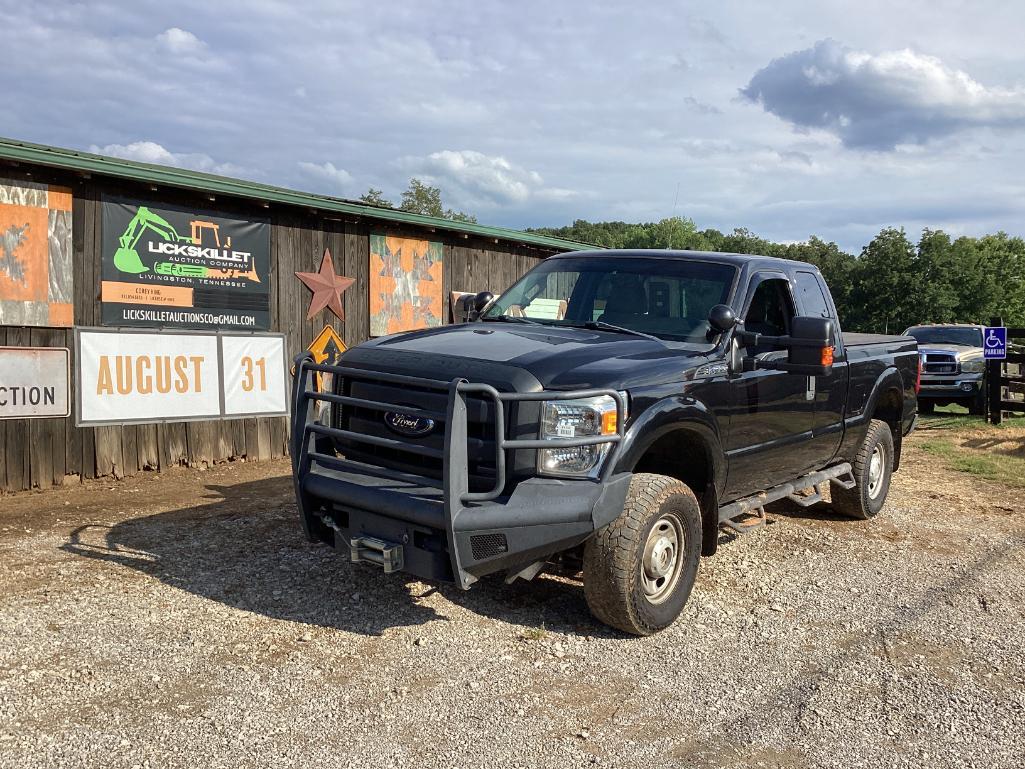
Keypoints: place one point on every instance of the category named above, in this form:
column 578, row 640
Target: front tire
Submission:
column 640, row 569
column 873, row 469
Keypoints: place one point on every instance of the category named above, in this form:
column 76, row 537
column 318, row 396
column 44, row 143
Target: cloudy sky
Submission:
column 788, row 118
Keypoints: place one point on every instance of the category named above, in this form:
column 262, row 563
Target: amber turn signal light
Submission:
column 827, row 356
column 609, row 422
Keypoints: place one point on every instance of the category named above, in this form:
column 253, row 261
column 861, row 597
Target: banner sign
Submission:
column 254, row 375
column 34, row 382
column 405, row 284
column 35, row 255
column 130, row 377
column 176, row 267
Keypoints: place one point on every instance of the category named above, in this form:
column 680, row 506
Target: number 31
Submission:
column 248, row 381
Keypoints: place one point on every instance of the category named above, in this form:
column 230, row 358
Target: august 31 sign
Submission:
column 128, row 377
column 175, row 267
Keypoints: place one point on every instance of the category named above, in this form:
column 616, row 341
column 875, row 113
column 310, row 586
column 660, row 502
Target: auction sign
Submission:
column 33, row 382
column 175, row 267
column 134, row 377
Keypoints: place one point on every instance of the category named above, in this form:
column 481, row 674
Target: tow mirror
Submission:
column 811, row 343
column 482, row 300
column 809, row 347
column 721, row 318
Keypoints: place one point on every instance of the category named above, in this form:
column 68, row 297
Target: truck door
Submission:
column 770, row 421
column 829, row 391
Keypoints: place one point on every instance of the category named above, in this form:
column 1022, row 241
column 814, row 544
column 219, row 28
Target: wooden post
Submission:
column 993, row 373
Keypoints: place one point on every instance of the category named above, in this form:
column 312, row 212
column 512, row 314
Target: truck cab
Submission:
column 612, row 410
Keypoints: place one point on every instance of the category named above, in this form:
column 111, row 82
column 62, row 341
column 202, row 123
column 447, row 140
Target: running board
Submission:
column 748, row 513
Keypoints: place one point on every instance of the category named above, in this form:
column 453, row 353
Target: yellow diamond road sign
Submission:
column 326, row 348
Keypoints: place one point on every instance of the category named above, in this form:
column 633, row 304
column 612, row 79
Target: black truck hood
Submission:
column 554, row 357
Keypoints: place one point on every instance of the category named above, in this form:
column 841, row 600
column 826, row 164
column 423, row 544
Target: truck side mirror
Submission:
column 721, row 318
column 481, row 301
column 809, row 347
column 811, row 343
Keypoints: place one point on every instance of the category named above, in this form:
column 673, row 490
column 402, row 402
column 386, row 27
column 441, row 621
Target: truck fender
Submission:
column 889, row 380
column 676, row 414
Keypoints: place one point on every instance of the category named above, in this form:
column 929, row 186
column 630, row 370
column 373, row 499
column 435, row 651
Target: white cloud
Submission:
column 880, row 100
column 336, row 178
column 151, row 152
column 609, row 137
column 474, row 178
column 181, row 41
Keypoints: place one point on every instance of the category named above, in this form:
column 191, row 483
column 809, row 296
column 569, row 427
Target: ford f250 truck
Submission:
column 612, row 408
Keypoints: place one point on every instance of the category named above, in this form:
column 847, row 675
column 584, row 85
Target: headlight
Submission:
column 577, row 419
column 973, row 366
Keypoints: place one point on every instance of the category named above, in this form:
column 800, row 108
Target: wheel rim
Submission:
column 876, row 466
column 661, row 562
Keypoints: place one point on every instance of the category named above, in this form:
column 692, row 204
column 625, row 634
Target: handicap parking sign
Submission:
column 994, row 342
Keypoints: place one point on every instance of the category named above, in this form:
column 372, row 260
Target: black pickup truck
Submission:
column 610, row 412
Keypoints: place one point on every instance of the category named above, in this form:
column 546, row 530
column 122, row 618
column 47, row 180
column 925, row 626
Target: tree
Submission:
column 425, row 199
column 937, row 276
column 836, row 266
column 884, row 284
column 1000, row 278
column 460, row 216
column 674, row 232
column 376, row 198
column 422, row 198
column 891, row 285
column 743, row 241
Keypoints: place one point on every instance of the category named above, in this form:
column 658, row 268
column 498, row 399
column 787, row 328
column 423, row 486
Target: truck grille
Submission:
column 480, row 419
column 939, row 363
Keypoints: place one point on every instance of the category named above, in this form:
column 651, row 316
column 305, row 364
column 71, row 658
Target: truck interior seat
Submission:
column 627, row 302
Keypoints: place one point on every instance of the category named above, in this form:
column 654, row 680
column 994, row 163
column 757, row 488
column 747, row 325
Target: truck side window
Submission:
column 809, row 293
column 769, row 312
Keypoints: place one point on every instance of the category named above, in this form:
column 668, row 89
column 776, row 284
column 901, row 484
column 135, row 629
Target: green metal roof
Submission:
column 57, row 157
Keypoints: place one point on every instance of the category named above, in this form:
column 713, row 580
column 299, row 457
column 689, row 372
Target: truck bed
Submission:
column 860, row 340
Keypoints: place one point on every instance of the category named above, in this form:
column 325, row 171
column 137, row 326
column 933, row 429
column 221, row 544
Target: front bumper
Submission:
column 440, row 530
column 542, row 516
column 953, row 386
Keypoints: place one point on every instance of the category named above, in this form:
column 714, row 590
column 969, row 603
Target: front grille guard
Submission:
column 454, row 457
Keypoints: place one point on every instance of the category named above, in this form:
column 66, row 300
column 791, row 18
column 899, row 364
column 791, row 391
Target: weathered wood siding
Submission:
column 39, row 453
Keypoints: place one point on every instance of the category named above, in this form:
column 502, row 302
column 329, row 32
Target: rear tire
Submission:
column 873, row 468
column 640, row 569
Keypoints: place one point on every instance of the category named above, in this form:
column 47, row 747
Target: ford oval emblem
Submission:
column 407, row 424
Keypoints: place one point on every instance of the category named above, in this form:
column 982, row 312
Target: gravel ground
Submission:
column 182, row 620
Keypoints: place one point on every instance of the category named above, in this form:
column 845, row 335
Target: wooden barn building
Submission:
column 59, row 227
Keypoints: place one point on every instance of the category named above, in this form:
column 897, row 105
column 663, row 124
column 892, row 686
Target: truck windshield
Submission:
column 667, row 298
column 954, row 335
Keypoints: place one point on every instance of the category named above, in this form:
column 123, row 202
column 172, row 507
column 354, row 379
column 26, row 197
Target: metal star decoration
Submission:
column 327, row 287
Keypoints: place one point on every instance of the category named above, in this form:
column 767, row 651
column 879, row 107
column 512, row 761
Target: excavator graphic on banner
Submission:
column 127, row 259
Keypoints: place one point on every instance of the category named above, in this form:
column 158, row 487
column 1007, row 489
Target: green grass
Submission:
column 957, row 418
column 1002, row 468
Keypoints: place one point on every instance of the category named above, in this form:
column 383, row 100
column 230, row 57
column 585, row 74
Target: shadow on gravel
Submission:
column 820, row 511
column 244, row 548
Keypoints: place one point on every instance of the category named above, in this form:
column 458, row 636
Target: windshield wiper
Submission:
column 603, row 326
column 514, row 318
